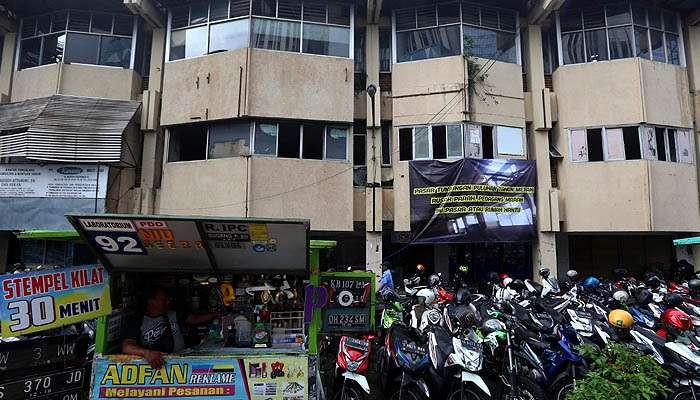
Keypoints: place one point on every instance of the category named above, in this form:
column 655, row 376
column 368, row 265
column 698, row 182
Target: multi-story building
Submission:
column 296, row 109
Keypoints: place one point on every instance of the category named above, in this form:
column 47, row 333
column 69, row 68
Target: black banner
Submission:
column 473, row 200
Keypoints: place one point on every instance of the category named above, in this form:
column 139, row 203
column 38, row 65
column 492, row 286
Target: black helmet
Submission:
column 463, row 295
column 493, row 277
column 644, row 297
column 694, row 286
column 544, row 272
column 517, row 285
column 653, row 282
column 673, row 300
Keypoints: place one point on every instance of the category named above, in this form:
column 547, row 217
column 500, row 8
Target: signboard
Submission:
column 65, row 385
column 200, row 378
column 41, row 300
column 472, row 200
column 17, row 356
column 348, row 308
column 157, row 243
column 68, row 181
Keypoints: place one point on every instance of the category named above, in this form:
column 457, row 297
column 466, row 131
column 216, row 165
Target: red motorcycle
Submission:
column 351, row 364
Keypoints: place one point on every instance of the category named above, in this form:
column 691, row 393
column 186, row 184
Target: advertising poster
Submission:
column 348, row 308
column 41, row 300
column 472, row 200
column 127, row 377
column 68, row 181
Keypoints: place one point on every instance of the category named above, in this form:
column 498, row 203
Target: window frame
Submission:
column 461, row 23
column 496, row 151
column 20, row 38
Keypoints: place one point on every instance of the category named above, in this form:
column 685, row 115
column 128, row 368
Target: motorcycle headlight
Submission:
column 352, row 365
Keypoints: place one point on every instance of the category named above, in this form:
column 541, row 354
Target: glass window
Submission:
column 312, row 145
column 448, row 13
column 101, row 23
column 115, row 51
column 43, row 25
column 572, row 48
column 265, row 139
column 596, row 45
column 672, row 49
column 326, row 40
column 59, row 21
column 188, row 43
column 620, row 42
column 218, row 10
column 615, row 143
column 339, row 14
column 289, row 9
column 618, row 14
column 570, row 21
column 641, row 40
column 265, row 8
column 315, row 13
column 289, row 140
column 276, row 35
column 670, row 22
column 229, row 139
column 123, row 25
column 386, row 144
column 509, row 141
column 455, row 141
column 639, row 14
column 30, row 52
column 359, row 43
column 359, row 150
column 81, row 48
column 336, row 143
column 661, row 143
column 79, row 21
column 658, row 53
column 188, row 143
column 673, row 155
column 53, row 48
column 405, row 144
column 439, row 142
column 228, row 36
column 421, row 143
column 594, row 139
column 593, row 18
column 199, row 13
column 649, row 143
column 631, row 137
column 384, row 50
column 579, row 145
column 180, row 17
column 486, row 43
column 428, row 43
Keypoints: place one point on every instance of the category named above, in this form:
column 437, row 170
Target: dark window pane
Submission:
column 313, row 142
column 661, row 143
column 326, row 40
column 406, row 19
column 594, row 18
column 596, row 46
column 218, row 10
column 101, row 23
column 386, row 144
column 639, row 14
column 670, row 22
column 115, row 51
column 123, row 25
column 79, row 21
column 428, row 43
column 487, row 43
column 289, row 140
column 405, row 144
column 618, row 14
column 28, row 27
column 673, row 156
column 654, row 18
column 508, row 20
column 595, row 144
column 570, row 20
column 265, row 8
column 359, row 151
column 336, row 143
column 427, row 16
column 29, row 53
column 631, row 137
column 228, row 35
column 489, row 17
column 572, row 48
column 487, row 141
column 276, row 35
column 289, row 9
column 672, row 49
column 641, row 40
column 384, row 50
column 229, row 139
column 359, row 43
column 188, row 143
column 240, row 8
column 439, row 143
column 81, row 48
column 53, row 48
column 339, row 14
column 448, row 13
column 471, row 14
column 180, row 17
column 43, row 24
column 620, row 42
column 315, row 12
column 199, row 13
column 266, row 139
column 658, row 52
column 59, row 21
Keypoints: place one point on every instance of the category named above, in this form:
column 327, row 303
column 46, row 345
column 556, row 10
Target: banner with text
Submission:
column 472, row 200
column 41, row 300
column 70, row 181
column 200, row 378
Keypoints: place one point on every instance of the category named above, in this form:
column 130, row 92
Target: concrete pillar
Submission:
column 7, row 65
column 544, row 250
column 373, row 189
column 563, row 260
column 692, row 56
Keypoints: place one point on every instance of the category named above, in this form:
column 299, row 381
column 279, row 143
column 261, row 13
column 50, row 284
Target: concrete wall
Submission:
column 279, row 188
column 271, row 84
column 499, row 99
column 674, row 197
column 666, row 94
column 402, row 198
column 76, row 80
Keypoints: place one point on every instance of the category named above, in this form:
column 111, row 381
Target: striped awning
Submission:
column 65, row 128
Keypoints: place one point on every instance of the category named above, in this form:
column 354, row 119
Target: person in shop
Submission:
column 157, row 332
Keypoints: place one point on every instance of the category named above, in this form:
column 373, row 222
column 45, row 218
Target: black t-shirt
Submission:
column 153, row 333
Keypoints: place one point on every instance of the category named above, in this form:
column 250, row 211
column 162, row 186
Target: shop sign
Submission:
column 472, row 200
column 17, row 356
column 66, row 385
column 41, row 300
column 68, row 181
column 200, row 378
column 348, row 307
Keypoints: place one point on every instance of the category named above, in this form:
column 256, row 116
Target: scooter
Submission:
column 404, row 362
column 352, row 362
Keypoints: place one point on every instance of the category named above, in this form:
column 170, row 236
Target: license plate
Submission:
column 471, row 345
column 411, row 347
column 63, row 385
column 357, row 343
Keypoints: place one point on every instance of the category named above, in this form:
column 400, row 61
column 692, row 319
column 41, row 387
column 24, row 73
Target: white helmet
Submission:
column 621, row 296
column 427, row 295
column 572, row 273
column 507, row 281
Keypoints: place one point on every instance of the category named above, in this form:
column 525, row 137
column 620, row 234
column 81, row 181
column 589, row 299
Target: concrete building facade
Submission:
column 295, row 109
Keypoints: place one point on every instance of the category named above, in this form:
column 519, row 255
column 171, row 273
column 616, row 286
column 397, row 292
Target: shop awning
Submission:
column 686, row 241
column 48, row 235
column 65, row 128
column 160, row 243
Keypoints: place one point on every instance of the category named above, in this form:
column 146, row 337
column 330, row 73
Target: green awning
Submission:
column 322, row 244
column 687, row 241
column 48, row 235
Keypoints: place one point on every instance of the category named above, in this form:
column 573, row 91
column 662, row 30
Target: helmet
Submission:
column 434, row 280
column 491, row 325
column 507, row 281
column 493, row 277
column 503, row 276
column 590, row 282
column 673, row 300
column 675, row 320
column 694, row 286
column 463, row 295
column 620, row 319
column 644, row 297
column 426, row 295
column 463, row 268
column 652, row 281
column 572, row 274
column 621, row 296
column 544, row 271
column 517, row 285
column 420, row 267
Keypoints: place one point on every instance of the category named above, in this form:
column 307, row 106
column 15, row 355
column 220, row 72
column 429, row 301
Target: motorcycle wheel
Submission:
column 350, row 391
column 681, row 394
column 467, row 394
column 527, row 388
column 561, row 390
column 406, row 394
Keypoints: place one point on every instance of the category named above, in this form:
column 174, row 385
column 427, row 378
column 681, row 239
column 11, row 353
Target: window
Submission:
column 266, row 139
column 228, row 36
column 615, row 144
column 336, row 143
column 76, row 37
column 619, row 31
column 594, row 140
column 405, row 144
column 359, row 148
column 188, row 143
column 578, row 144
column 440, row 31
column 313, row 142
column 288, row 140
column 487, row 141
column 631, row 138
column 276, row 35
column 326, row 40
column 386, row 143
column 661, row 143
column 384, row 50
column 229, row 139
column 509, row 141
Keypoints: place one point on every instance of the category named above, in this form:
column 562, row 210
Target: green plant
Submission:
column 619, row 373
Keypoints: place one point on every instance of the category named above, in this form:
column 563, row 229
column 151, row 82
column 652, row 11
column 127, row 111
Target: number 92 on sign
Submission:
column 126, row 243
